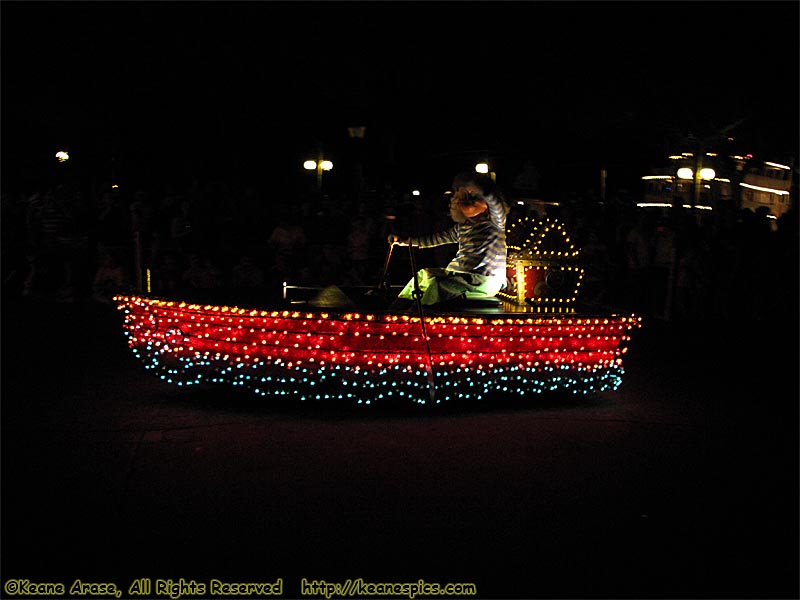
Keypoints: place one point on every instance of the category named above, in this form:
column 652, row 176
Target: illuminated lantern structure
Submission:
column 543, row 269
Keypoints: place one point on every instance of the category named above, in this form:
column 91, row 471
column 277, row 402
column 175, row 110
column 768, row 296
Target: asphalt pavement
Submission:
column 683, row 483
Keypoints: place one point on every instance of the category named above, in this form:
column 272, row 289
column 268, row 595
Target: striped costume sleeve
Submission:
column 448, row 236
column 497, row 212
column 481, row 242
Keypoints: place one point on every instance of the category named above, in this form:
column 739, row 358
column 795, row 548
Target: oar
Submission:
column 418, row 299
column 381, row 290
column 382, row 283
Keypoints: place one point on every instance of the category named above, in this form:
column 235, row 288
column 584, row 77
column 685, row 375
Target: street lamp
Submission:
column 704, row 173
column 483, row 168
column 699, row 174
column 320, row 166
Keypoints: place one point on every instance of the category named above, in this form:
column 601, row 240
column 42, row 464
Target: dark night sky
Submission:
column 247, row 82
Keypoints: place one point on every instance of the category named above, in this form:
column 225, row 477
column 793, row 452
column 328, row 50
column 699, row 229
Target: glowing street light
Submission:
column 319, row 166
column 62, row 156
column 698, row 175
column 705, row 173
column 483, row 168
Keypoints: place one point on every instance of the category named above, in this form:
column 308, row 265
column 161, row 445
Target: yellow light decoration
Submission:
column 542, row 265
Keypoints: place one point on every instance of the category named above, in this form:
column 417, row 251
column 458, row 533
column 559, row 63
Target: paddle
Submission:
column 378, row 297
column 418, row 299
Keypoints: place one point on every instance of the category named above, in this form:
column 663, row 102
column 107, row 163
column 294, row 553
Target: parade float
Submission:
column 531, row 339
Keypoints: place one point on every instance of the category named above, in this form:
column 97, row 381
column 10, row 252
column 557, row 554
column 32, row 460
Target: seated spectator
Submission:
column 202, row 273
column 168, row 274
column 287, row 240
column 246, row 273
column 109, row 279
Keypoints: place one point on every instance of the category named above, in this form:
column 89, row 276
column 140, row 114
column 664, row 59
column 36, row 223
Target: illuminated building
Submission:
column 738, row 181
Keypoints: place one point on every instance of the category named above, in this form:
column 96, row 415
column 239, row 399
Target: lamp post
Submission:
column 483, row 168
column 700, row 149
column 319, row 166
column 699, row 174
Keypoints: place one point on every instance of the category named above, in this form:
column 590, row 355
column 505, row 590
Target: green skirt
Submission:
column 440, row 285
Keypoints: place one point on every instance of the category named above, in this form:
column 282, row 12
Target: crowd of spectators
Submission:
column 61, row 244
column 677, row 264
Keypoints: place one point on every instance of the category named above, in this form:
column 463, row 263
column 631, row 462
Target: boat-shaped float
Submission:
column 521, row 343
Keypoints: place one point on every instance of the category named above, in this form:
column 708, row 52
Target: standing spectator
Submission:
column 182, row 232
column 359, row 242
column 637, row 262
column 143, row 225
column 113, row 225
column 287, row 240
column 597, row 261
column 168, row 274
column 202, row 273
column 58, row 226
column 330, row 264
column 662, row 269
column 14, row 243
column 110, row 279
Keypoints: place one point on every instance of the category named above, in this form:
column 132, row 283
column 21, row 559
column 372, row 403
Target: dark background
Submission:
column 681, row 484
column 164, row 91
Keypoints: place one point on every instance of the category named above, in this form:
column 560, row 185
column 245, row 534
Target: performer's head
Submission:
column 470, row 190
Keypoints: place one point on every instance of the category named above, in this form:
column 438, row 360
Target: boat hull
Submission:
column 374, row 357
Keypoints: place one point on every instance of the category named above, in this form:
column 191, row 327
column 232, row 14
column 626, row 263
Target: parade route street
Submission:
column 682, row 483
